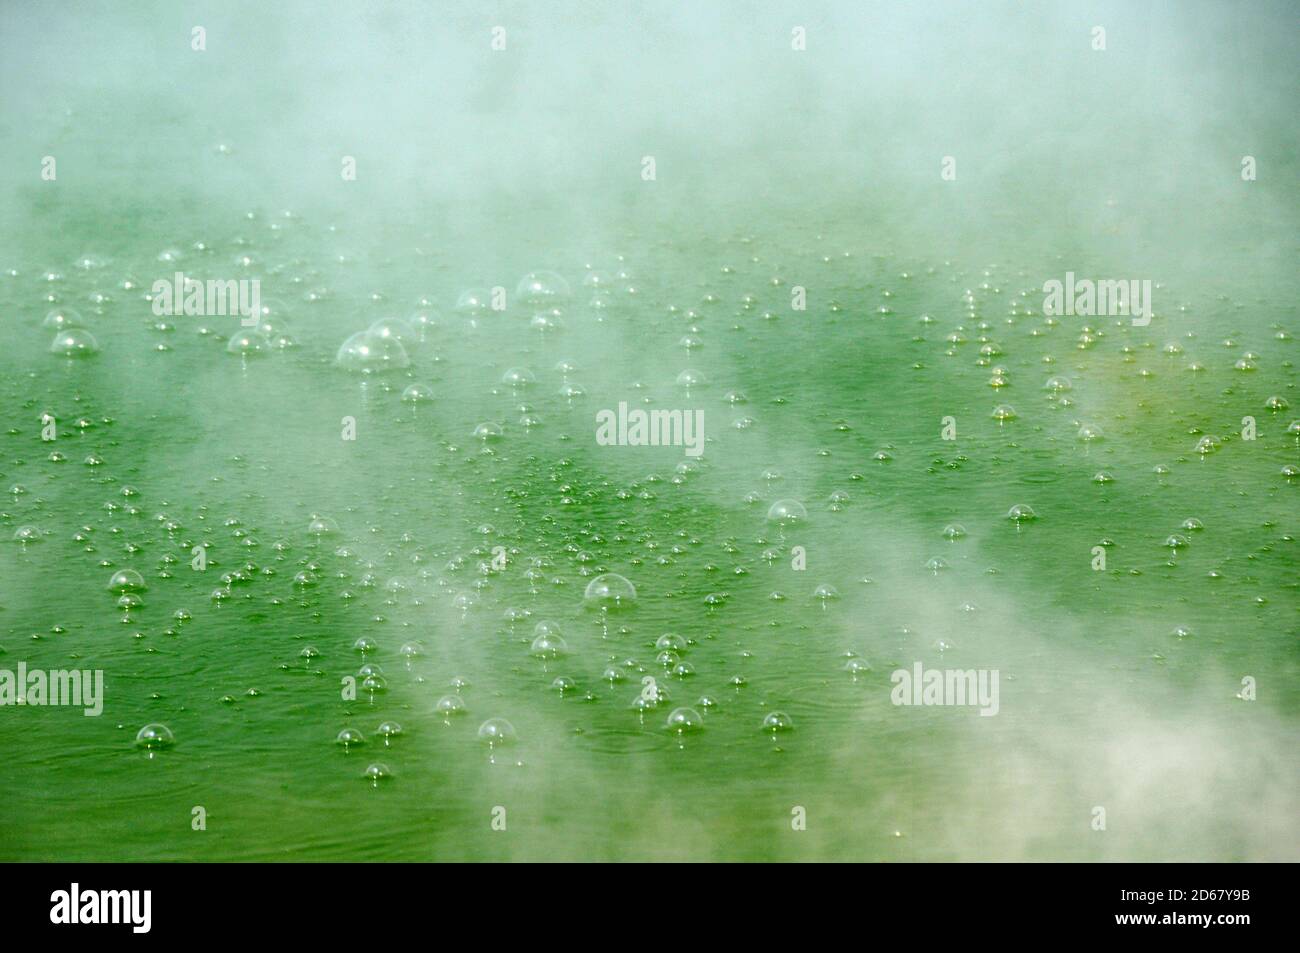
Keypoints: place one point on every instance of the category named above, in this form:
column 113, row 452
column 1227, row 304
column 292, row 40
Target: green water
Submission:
column 841, row 406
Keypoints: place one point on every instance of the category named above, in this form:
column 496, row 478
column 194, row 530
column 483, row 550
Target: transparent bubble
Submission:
column 74, row 342
column 548, row 643
column 496, row 731
column 487, row 432
column 552, row 319
column 449, row 705
column 417, row 393
column 691, row 378
column 388, row 730
column 563, row 684
column 473, row 301
column 671, row 641
column 368, row 353
column 246, row 343
column 154, row 736
column 27, row 534
column 825, row 593
column 378, row 772
column 1021, row 513
column 787, row 512
column 61, row 319
column 350, row 737
column 395, row 329
column 273, row 318
column 954, row 531
column 126, row 580
column 1004, row 412
column 542, row 288
column 322, row 526
column 518, row 377
column 775, row 721
column 683, row 720
column 610, row 591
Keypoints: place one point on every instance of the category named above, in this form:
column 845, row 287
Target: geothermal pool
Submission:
column 364, row 580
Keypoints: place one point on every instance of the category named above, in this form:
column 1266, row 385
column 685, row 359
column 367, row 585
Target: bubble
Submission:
column 857, row 666
column 61, row 319
column 609, row 591
column 776, row 721
column 126, row 580
column 825, row 593
column 487, row 432
column 954, row 531
column 74, row 342
column 671, row 641
column 1176, row 541
column 1276, row 403
column 518, row 377
column 367, row 353
column 349, row 737
column 547, row 642
column 542, row 288
column 1088, row 433
column 1058, row 384
column 1207, row 444
column 378, row 772
column 322, row 526
column 552, row 319
column 388, row 730
column 154, row 736
column 563, row 684
column 449, row 705
column 1192, row 524
column 691, row 378
column 473, row 301
column 27, row 534
column 683, row 720
column 496, row 732
column 394, row 329
column 417, row 393
column 1004, row 412
column 787, row 512
column 247, row 343
column 1021, row 513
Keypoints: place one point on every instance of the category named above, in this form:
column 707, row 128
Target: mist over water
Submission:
column 775, row 169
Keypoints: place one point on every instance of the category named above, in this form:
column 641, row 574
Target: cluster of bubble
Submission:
column 389, row 344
